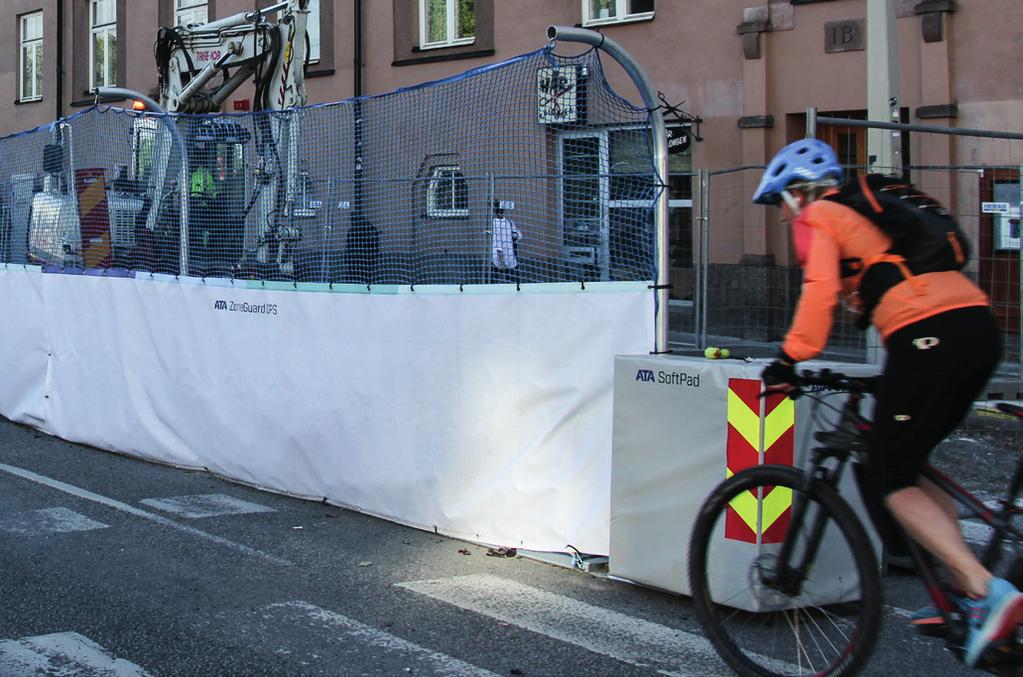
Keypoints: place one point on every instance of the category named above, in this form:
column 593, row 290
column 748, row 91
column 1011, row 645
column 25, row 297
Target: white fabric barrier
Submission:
column 484, row 414
column 671, row 449
column 23, row 344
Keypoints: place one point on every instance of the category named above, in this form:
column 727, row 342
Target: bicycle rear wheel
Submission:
column 828, row 627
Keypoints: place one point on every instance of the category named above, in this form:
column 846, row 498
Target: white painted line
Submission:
column 899, row 611
column 427, row 660
column 132, row 510
column 48, row 521
column 63, row 654
column 204, row 505
column 624, row 638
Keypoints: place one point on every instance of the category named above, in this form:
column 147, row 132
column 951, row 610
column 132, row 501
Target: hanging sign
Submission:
column 679, row 139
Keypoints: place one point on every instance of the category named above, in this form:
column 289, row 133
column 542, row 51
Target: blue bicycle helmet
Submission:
column 804, row 160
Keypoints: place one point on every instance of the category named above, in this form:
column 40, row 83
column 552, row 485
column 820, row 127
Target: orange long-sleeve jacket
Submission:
column 824, row 234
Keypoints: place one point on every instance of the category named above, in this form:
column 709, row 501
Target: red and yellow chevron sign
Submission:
column 749, row 435
column 93, row 217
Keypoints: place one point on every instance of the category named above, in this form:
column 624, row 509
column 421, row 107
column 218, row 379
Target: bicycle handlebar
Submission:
column 826, row 379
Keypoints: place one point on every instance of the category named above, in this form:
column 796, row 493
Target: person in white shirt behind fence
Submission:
column 506, row 237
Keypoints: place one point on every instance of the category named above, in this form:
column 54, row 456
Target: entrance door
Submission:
column 850, row 143
column 607, row 193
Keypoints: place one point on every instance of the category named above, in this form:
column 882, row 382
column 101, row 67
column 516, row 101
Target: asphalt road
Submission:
column 114, row 566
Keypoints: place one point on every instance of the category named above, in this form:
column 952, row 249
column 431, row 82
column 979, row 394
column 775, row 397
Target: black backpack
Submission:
column 923, row 232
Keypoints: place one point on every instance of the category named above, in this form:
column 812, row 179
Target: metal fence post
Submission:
column 704, row 265
column 811, row 123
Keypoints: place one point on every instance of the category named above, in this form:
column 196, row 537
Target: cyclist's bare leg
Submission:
column 927, row 522
column 947, row 506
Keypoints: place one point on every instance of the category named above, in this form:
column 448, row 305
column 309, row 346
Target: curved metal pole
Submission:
column 124, row 93
column 659, row 143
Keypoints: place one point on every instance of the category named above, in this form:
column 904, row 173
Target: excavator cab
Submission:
column 217, row 149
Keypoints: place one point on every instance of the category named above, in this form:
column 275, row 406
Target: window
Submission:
column 447, row 193
column 596, row 12
column 30, row 82
column 102, row 43
column 312, row 29
column 190, row 12
column 446, row 23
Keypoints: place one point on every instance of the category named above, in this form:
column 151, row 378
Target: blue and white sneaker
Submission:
column 991, row 619
column 929, row 621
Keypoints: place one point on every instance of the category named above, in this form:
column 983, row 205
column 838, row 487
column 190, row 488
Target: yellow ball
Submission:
column 711, row 353
column 725, row 353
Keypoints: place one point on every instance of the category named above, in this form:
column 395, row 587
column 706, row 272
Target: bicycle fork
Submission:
column 788, row 578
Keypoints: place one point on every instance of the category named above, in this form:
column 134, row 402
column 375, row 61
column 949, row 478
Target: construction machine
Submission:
column 85, row 216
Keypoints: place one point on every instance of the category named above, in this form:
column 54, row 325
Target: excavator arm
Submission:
column 199, row 67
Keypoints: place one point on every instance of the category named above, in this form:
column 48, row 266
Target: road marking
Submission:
column 204, row 505
column 48, row 521
column 62, row 654
column 427, row 661
column 899, row 611
column 624, row 638
column 132, row 510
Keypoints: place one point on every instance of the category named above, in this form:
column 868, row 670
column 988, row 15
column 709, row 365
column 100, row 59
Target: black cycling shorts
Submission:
column 935, row 369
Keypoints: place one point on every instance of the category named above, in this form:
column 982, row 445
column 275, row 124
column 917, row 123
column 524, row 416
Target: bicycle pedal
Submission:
column 931, row 627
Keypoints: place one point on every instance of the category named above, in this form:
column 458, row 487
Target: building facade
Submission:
column 740, row 73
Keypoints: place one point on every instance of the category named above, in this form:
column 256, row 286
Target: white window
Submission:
column 447, row 193
column 312, row 29
column 102, row 43
column 446, row 23
column 190, row 12
column 30, row 82
column 597, row 12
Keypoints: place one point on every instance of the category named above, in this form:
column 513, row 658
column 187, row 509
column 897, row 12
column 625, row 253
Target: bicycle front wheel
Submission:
column 821, row 620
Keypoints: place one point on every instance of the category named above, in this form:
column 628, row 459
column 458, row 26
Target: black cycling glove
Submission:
column 780, row 372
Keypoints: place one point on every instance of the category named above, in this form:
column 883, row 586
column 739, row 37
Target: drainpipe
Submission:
column 358, row 212
column 60, row 60
column 357, row 79
column 659, row 143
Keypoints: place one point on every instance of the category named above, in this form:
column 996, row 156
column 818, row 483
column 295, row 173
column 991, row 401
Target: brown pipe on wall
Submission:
column 60, row 60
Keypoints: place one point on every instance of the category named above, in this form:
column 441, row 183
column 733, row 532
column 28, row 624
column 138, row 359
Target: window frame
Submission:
column 621, row 15
column 38, row 66
column 314, row 21
column 106, row 29
column 451, row 11
column 191, row 7
column 457, row 178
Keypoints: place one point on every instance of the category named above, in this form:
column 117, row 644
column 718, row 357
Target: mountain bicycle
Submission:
column 809, row 600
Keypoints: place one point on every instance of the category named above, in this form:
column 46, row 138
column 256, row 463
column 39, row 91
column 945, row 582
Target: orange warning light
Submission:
column 138, row 105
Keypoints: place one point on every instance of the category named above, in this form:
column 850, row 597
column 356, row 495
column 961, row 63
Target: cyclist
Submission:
column 942, row 343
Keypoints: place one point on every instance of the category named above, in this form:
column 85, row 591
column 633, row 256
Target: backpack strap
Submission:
column 883, row 272
column 869, row 195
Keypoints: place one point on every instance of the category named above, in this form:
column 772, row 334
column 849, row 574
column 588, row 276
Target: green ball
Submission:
column 711, row 353
column 725, row 353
